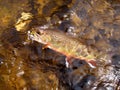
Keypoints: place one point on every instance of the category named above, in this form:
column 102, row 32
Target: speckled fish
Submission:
column 61, row 42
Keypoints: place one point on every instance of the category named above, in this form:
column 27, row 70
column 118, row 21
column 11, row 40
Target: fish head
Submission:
column 40, row 35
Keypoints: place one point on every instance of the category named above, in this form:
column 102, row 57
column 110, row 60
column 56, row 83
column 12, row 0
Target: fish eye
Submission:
column 40, row 32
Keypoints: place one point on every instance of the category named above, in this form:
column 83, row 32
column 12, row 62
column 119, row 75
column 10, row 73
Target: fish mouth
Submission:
column 35, row 36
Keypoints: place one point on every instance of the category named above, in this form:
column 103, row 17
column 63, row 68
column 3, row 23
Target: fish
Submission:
column 61, row 42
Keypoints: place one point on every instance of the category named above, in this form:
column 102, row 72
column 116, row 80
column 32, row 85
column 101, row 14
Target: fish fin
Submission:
column 92, row 63
column 46, row 46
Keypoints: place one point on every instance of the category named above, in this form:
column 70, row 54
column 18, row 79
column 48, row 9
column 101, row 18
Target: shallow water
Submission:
column 25, row 66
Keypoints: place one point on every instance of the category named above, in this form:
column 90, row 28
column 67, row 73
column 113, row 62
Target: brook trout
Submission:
column 61, row 42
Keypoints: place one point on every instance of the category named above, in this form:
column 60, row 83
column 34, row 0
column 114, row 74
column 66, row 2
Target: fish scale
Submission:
column 61, row 42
